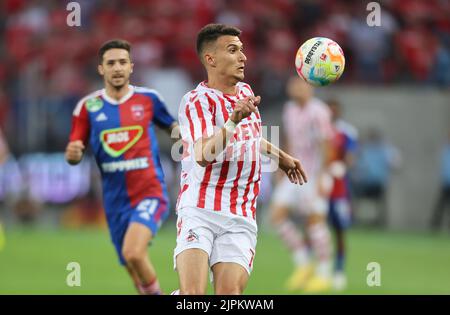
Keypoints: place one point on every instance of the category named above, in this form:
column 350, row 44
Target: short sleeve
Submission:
column 195, row 117
column 80, row 123
column 161, row 116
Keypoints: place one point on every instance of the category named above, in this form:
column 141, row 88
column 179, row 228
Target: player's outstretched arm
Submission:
column 207, row 149
column 74, row 152
column 291, row 166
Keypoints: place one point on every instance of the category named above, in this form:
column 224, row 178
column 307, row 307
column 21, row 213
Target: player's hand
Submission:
column 293, row 170
column 245, row 108
column 74, row 151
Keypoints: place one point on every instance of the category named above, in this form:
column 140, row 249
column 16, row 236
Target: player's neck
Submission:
column 117, row 94
column 225, row 86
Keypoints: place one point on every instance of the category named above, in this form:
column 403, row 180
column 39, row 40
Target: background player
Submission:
column 308, row 131
column 119, row 123
column 219, row 187
column 343, row 148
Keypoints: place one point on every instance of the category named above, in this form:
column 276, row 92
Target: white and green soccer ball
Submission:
column 320, row 61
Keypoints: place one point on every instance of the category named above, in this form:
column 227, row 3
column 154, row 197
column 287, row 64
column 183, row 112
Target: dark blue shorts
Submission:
column 340, row 214
column 151, row 212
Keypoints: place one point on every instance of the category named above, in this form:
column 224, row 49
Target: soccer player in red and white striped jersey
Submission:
column 308, row 132
column 221, row 169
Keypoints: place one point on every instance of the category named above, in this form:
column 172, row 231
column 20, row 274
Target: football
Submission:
column 320, row 61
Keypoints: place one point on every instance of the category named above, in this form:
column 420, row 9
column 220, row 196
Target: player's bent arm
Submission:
column 207, row 149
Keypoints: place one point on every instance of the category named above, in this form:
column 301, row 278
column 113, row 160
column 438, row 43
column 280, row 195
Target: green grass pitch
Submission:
column 33, row 261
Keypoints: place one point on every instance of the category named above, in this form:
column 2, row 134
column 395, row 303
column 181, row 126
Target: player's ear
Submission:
column 209, row 60
column 132, row 67
column 100, row 70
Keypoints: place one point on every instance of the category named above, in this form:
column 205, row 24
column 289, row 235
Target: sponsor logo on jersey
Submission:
column 118, row 140
column 94, row 104
column 123, row 166
column 137, row 111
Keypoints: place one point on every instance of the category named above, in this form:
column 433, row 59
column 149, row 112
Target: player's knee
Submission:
column 315, row 219
column 278, row 215
column 133, row 255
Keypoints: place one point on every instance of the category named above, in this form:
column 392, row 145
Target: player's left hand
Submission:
column 293, row 170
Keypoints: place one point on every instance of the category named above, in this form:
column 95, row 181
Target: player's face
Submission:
column 116, row 67
column 229, row 58
column 299, row 90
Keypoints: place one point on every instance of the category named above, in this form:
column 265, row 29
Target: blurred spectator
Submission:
column 375, row 159
column 443, row 201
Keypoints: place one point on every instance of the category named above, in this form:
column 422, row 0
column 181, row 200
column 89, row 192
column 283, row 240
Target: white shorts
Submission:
column 224, row 238
column 303, row 198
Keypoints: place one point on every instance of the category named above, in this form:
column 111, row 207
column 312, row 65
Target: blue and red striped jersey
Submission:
column 122, row 137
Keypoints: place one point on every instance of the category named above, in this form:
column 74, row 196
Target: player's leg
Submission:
column 233, row 256
column 320, row 240
column 319, row 236
column 142, row 224
column 286, row 196
column 134, row 251
column 229, row 278
column 191, row 255
column 340, row 220
column 192, row 267
column 339, row 278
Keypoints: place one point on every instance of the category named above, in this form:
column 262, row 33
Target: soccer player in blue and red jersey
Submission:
column 119, row 121
column 343, row 146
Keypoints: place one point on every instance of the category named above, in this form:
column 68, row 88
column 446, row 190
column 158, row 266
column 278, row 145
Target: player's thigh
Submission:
column 136, row 240
column 229, row 278
column 195, row 238
column 233, row 251
column 285, row 197
column 192, row 266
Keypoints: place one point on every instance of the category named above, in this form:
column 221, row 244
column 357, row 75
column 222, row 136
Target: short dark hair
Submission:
column 111, row 44
column 211, row 32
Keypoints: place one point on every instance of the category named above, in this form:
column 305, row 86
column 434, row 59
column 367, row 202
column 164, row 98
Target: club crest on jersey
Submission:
column 118, row 140
column 229, row 108
column 94, row 104
column 137, row 111
column 192, row 236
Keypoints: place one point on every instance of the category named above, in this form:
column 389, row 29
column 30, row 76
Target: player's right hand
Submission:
column 74, row 151
column 244, row 108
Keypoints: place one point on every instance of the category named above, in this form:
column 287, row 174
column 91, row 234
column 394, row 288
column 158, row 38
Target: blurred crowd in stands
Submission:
column 46, row 66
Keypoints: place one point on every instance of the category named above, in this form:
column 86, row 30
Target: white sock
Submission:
column 321, row 244
column 293, row 239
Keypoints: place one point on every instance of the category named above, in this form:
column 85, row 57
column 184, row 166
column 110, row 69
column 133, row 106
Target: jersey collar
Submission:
column 125, row 98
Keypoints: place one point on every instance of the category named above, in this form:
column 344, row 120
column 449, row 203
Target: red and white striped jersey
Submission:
column 305, row 129
column 230, row 184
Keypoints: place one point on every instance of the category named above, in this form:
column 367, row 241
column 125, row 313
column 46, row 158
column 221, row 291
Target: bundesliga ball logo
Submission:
column 320, row 61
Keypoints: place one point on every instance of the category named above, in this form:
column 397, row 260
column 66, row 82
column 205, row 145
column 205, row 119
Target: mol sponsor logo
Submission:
column 118, row 140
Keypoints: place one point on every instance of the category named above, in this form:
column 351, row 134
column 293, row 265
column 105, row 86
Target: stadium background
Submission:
column 396, row 84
